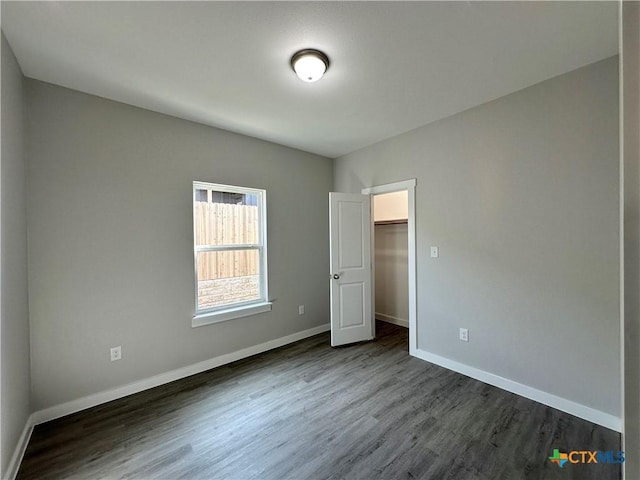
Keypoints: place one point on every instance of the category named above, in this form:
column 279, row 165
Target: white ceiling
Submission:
column 394, row 65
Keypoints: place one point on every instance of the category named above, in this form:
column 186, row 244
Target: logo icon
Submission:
column 559, row 458
column 586, row 456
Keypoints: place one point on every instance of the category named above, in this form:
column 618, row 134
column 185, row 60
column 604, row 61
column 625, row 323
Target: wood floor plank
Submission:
column 307, row 411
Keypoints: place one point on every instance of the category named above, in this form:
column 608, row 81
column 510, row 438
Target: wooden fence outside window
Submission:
column 226, row 224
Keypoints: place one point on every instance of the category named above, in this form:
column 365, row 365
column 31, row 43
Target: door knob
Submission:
column 336, row 276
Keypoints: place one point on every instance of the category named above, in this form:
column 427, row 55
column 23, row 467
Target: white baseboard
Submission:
column 389, row 319
column 21, row 447
column 568, row 406
column 89, row 401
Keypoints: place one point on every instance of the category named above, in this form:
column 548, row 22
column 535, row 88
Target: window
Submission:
column 230, row 252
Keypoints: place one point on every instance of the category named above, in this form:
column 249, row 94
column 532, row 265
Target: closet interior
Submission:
column 390, row 212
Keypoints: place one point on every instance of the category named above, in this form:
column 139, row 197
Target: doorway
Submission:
column 390, row 258
column 394, row 255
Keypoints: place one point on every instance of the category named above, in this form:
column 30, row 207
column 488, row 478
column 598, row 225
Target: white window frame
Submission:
column 240, row 309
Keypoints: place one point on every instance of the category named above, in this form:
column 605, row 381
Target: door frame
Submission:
column 410, row 187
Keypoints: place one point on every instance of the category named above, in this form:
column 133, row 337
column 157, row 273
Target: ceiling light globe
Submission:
column 309, row 65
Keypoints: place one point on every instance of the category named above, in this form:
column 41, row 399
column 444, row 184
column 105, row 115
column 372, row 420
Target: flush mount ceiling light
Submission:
column 309, row 64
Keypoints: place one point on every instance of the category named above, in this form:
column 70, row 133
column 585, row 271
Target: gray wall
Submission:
column 111, row 253
column 631, row 141
column 391, row 271
column 521, row 195
column 14, row 302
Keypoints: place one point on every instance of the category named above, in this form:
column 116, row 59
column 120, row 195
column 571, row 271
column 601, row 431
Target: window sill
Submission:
column 229, row 314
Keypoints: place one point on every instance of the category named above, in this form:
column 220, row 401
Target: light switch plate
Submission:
column 434, row 252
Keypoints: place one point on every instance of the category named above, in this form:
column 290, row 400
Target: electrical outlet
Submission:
column 116, row 353
column 464, row 334
column 300, row 309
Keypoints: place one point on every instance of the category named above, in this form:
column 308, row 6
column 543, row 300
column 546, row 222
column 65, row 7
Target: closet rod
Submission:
column 390, row 222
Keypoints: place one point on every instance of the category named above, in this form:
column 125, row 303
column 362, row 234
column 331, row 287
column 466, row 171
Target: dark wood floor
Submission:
column 307, row 411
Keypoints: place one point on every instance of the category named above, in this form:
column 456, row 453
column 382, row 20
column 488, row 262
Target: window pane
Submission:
column 234, row 198
column 230, row 219
column 228, row 277
column 201, row 195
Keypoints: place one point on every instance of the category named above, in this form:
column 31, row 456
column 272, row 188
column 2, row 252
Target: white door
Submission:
column 350, row 253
